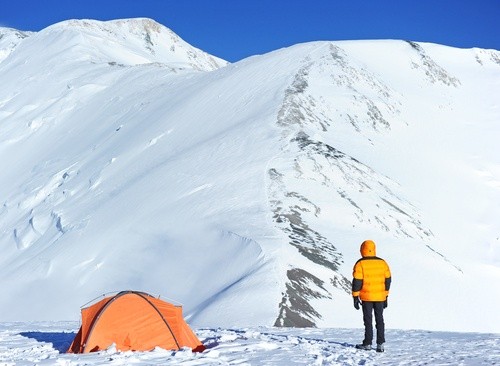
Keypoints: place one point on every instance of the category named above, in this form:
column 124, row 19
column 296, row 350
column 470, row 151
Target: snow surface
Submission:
column 45, row 343
column 133, row 161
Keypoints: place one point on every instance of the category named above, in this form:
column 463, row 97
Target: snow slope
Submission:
column 9, row 39
column 131, row 160
column 44, row 344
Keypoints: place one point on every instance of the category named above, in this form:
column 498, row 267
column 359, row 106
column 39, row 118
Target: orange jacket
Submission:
column 372, row 276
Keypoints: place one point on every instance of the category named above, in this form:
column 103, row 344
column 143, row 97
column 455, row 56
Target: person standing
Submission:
column 370, row 289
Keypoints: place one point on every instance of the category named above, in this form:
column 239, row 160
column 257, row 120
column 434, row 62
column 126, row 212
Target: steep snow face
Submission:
column 329, row 93
column 9, row 39
column 244, row 191
column 380, row 146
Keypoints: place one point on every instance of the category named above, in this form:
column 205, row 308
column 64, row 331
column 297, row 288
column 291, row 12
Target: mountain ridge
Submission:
column 125, row 42
column 128, row 173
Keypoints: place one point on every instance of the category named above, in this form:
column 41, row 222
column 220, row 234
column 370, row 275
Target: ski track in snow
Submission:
column 44, row 344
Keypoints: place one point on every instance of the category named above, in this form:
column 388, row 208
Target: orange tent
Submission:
column 133, row 321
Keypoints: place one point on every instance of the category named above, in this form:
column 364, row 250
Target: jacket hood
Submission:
column 368, row 248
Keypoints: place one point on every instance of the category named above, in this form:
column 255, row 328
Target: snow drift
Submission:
column 132, row 160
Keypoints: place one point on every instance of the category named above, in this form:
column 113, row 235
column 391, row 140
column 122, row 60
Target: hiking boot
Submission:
column 365, row 347
column 380, row 347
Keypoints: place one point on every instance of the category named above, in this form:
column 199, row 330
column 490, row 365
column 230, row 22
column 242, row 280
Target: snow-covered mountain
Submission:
column 9, row 39
column 132, row 160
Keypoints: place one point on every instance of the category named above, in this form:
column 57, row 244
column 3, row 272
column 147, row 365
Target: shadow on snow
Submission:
column 60, row 340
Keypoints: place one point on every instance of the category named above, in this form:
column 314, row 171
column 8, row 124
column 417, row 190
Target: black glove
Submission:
column 385, row 302
column 356, row 302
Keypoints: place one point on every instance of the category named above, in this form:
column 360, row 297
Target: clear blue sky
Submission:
column 235, row 29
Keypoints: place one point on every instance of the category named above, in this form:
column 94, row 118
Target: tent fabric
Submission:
column 133, row 321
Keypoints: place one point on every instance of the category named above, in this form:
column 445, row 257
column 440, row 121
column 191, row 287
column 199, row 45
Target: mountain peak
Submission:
column 114, row 28
column 145, row 38
column 125, row 42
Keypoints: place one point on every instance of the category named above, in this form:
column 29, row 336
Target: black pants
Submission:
column 376, row 307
